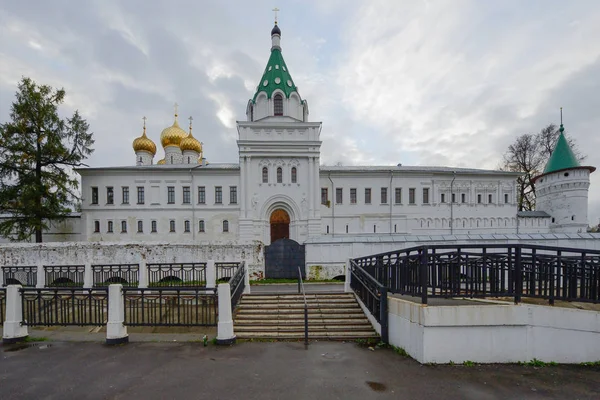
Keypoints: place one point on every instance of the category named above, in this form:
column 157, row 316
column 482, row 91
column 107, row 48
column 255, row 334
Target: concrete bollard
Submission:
column 347, row 287
column 116, row 331
column 13, row 330
column 211, row 274
column 225, row 333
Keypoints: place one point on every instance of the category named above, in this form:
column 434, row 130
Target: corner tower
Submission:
column 562, row 189
column 279, row 154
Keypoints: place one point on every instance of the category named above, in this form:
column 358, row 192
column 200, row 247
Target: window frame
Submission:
column 170, row 194
column 125, row 194
column 110, row 195
column 172, row 226
column 278, row 105
column 201, row 194
column 140, row 195
column 294, row 175
column 109, row 227
column 140, row 226
column 94, row 195
column 425, row 195
column 412, row 195
column 187, row 195
column 123, row 226
column 265, row 174
column 384, row 195
column 218, row 194
column 279, row 175
column 96, row 226
column 324, row 196
column 398, row 195
column 368, row 196
column 186, row 226
column 232, row 194
column 353, row 196
column 201, row 226
column 153, row 226
column 225, row 226
column 339, row 195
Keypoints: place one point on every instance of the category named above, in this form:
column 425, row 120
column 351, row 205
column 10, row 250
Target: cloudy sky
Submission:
column 418, row 82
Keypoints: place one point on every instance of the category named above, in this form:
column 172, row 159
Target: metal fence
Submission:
column 177, row 275
column 49, row 307
column 489, row 271
column 226, row 270
column 20, row 275
column 107, row 274
column 237, row 284
column 170, row 307
column 2, row 305
column 64, row 275
column 372, row 294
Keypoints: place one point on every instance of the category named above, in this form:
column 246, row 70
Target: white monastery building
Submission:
column 279, row 189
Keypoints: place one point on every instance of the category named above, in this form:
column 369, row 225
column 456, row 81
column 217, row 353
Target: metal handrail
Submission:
column 301, row 287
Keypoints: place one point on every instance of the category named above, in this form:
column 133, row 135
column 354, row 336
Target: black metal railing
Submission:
column 177, row 275
column 170, row 307
column 107, row 274
column 2, row 305
column 372, row 294
column 226, row 270
column 516, row 271
column 20, row 275
column 50, row 307
column 303, row 292
column 237, row 283
column 64, row 275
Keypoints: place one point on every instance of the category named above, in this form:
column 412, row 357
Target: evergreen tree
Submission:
column 38, row 150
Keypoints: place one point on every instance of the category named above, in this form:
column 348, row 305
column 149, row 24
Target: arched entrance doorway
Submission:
column 280, row 225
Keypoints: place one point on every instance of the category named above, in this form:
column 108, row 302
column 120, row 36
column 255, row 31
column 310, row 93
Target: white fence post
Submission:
column 143, row 274
column 41, row 276
column 246, row 278
column 211, row 274
column 13, row 330
column 116, row 331
column 88, row 276
column 347, row 287
column 225, row 333
column 1, row 276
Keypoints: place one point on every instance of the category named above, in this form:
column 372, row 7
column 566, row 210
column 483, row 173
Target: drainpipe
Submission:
column 193, row 223
column 390, row 198
column 332, row 205
column 452, row 203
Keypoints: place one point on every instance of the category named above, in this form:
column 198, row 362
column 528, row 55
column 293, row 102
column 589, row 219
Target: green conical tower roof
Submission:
column 562, row 157
column 276, row 75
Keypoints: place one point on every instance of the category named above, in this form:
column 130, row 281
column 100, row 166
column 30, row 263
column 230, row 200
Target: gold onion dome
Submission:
column 173, row 135
column 161, row 162
column 190, row 142
column 143, row 143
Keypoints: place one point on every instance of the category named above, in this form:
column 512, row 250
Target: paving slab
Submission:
column 282, row 370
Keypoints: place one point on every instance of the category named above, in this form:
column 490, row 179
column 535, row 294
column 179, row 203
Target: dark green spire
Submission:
column 562, row 156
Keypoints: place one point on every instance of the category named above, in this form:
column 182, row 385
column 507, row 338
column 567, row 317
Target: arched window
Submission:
column 278, row 104
column 225, row 226
column 251, row 113
column 265, row 175
column 171, row 159
column 294, row 175
column 188, row 159
column 279, row 175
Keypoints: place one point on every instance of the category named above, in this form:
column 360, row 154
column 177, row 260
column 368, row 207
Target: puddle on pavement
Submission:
column 23, row 346
column 376, row 386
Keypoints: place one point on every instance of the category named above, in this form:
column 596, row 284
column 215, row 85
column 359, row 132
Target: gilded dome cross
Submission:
column 275, row 11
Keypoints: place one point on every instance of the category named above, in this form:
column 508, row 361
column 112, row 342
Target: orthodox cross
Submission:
column 275, row 11
column 176, row 105
column 144, row 123
column 191, row 119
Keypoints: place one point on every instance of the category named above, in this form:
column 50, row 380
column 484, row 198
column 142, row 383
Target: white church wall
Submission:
column 68, row 230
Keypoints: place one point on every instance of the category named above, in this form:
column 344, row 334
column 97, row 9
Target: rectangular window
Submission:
column 454, row 197
column 110, row 195
column 153, row 226
column 324, row 196
column 123, row 226
column 425, row 195
column 201, row 225
column 171, row 194
column 186, row 226
column 411, row 195
column 232, row 194
column 140, row 225
column 201, row 195
column 353, row 196
column 490, row 198
column 125, row 193
column 96, row 226
column 339, row 195
column 383, row 195
column 505, row 198
column 479, row 199
column 140, row 195
column 368, row 196
column 218, row 195
column 443, row 198
column 186, row 195
column 225, row 226
column 398, row 196
column 172, row 225
column 110, row 227
column 94, row 195
column 463, row 198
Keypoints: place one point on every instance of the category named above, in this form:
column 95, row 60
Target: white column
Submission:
column 88, row 276
column 41, row 276
column 13, row 331
column 246, row 279
column 116, row 331
column 143, row 274
column 225, row 333
column 211, row 274
column 347, row 287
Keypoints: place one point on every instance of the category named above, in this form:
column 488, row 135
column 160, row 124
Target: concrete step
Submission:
column 311, row 328
column 313, row 336
column 296, row 301
column 300, row 321
column 286, row 306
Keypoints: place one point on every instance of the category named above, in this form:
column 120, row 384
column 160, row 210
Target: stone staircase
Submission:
column 331, row 316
